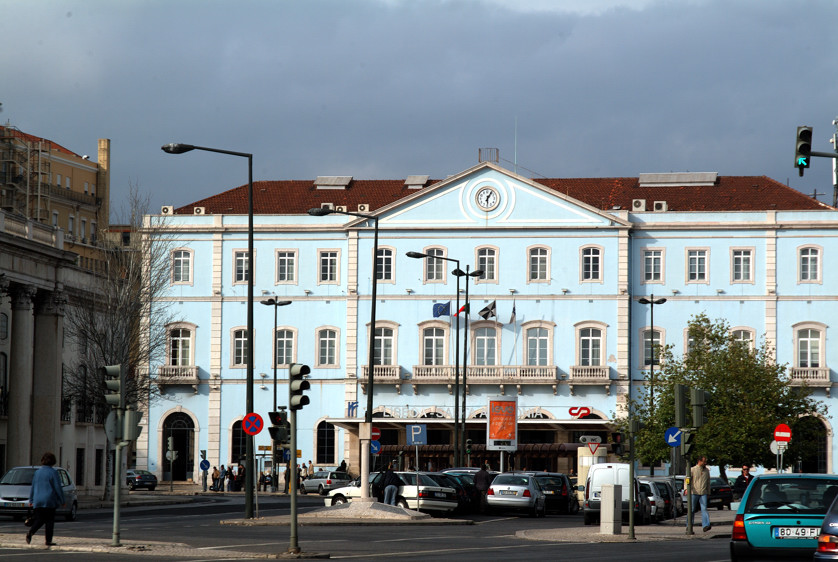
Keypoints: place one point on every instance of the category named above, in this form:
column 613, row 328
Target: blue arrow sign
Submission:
column 205, row 464
column 375, row 447
column 672, row 436
column 286, row 454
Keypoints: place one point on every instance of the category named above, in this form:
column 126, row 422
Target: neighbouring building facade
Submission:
column 562, row 264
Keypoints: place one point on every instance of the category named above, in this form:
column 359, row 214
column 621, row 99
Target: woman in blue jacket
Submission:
column 45, row 496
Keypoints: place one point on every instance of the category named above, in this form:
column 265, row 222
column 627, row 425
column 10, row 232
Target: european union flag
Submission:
column 441, row 309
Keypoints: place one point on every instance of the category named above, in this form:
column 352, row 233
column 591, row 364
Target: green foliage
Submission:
column 750, row 395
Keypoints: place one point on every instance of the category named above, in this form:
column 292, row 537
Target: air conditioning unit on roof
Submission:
column 341, row 208
column 638, row 204
column 363, row 207
column 199, row 210
column 167, row 210
column 660, row 206
column 327, row 206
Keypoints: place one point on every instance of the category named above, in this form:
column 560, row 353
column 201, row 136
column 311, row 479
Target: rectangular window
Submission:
column 485, row 346
column 286, row 265
column 284, row 347
column 590, row 347
column 98, row 474
column 328, row 267
column 180, row 341
column 809, row 264
column 384, row 264
column 652, row 266
column 741, row 266
column 487, row 262
column 651, row 344
column 240, row 347
column 181, row 266
column 696, row 265
column 55, row 219
column 434, row 268
column 537, row 346
column 538, row 264
column 71, row 225
column 434, row 345
column 383, row 346
column 83, row 232
column 327, row 346
column 809, row 343
column 590, row 264
column 241, row 266
column 80, row 454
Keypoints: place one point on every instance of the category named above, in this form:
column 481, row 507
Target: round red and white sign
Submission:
column 375, row 433
column 782, row 433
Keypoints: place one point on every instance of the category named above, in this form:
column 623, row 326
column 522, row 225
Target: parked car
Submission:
column 670, row 485
column 16, row 484
column 721, row 494
column 782, row 515
column 140, row 479
column 468, row 496
column 613, row 473
column 658, row 504
column 828, row 537
column 324, row 480
column 559, row 492
column 518, row 492
column 431, row 497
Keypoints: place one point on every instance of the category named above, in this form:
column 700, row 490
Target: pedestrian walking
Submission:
column 45, row 495
column 215, row 474
column 482, row 481
column 287, row 476
column 222, row 478
column 700, row 484
column 390, row 483
column 742, row 482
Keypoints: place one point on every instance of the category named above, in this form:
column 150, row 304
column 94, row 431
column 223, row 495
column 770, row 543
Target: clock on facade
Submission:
column 487, row 198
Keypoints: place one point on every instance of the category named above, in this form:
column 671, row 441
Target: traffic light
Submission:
column 297, row 385
column 279, row 426
column 803, row 148
column 131, row 422
column 687, row 440
column 680, row 393
column 171, row 443
column 698, row 399
column 468, row 446
column 617, row 442
column 114, row 377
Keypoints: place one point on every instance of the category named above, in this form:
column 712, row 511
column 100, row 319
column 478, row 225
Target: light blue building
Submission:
column 563, row 262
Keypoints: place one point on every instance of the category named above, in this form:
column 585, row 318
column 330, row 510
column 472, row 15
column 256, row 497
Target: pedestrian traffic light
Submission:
column 687, row 439
column 803, row 148
column 114, row 377
column 617, row 442
column 698, row 399
column 279, row 426
column 680, row 393
column 171, row 443
column 297, row 385
column 132, row 429
column 468, row 446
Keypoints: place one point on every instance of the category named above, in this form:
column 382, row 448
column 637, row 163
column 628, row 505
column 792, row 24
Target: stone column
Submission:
column 47, row 373
column 19, row 434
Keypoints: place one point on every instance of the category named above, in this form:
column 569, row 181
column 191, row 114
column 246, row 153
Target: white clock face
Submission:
column 487, row 198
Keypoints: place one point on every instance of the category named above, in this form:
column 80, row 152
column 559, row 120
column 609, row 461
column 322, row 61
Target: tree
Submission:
column 122, row 319
column 750, row 395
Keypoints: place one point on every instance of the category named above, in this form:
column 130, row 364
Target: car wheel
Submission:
column 401, row 502
column 589, row 520
column 71, row 516
column 338, row 500
column 322, row 490
column 303, row 489
column 131, row 485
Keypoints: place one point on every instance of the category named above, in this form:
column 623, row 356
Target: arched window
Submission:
column 326, row 443
column 238, row 447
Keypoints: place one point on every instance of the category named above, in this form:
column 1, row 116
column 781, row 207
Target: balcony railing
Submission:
column 590, row 375
column 486, row 374
column 386, row 374
column 811, row 376
column 176, row 374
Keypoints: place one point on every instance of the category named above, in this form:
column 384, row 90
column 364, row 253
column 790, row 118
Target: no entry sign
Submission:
column 375, row 433
column 782, row 433
column 252, row 423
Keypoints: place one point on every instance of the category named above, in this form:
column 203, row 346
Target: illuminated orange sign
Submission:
column 502, row 419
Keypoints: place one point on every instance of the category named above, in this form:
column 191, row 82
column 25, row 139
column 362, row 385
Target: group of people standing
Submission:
column 232, row 478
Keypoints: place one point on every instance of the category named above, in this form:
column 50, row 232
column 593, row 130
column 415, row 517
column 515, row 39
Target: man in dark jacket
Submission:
column 390, row 483
column 482, row 481
column 742, row 483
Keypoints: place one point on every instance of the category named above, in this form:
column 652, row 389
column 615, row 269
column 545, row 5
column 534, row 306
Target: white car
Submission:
column 432, row 497
column 656, row 499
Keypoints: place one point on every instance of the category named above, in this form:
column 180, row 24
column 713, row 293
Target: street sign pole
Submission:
column 293, row 545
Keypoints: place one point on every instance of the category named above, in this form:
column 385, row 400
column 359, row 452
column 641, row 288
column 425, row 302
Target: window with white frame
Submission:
column 239, row 348
column 487, row 261
column 284, row 350
column 808, row 347
column 55, row 219
column 384, row 346
column 71, row 225
column 590, row 346
column 539, row 264
column 653, row 266
column 180, row 347
column 697, row 266
column 328, row 266
column 434, row 267
column 433, row 346
column 651, row 346
column 485, row 347
column 182, row 266
column 809, row 264
column 240, row 266
column 286, row 266
column 327, row 344
column 384, row 265
column 743, row 336
column 591, row 264
column 741, row 265
column 538, row 344
column 83, row 231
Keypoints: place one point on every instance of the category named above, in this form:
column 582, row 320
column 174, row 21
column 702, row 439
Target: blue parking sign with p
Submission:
column 417, row 434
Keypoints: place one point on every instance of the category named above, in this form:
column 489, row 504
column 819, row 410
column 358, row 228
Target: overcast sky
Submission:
column 382, row 89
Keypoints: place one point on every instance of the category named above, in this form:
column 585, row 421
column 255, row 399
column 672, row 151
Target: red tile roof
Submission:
column 32, row 139
column 729, row 193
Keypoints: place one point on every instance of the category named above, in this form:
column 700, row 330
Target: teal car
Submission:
column 780, row 515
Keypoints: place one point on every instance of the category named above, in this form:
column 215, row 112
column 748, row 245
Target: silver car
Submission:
column 519, row 492
column 16, row 484
column 323, row 481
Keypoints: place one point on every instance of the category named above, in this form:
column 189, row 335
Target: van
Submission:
column 617, row 474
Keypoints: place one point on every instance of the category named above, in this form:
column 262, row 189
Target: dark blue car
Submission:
column 780, row 515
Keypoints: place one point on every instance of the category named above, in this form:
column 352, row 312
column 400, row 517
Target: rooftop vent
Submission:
column 488, row 155
column 332, row 182
column 416, row 182
column 679, row 179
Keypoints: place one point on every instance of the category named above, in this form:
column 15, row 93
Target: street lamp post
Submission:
column 276, row 304
column 460, row 273
column 652, row 301
column 250, row 465
column 458, row 457
column 365, row 435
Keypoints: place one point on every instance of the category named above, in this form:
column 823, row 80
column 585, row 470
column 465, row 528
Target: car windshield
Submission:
column 18, row 477
column 141, row 472
column 791, row 495
column 511, row 480
column 550, row 481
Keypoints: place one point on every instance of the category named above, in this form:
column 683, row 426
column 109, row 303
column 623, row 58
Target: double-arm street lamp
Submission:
column 652, row 301
column 250, row 465
column 276, row 304
column 365, row 435
column 460, row 273
column 458, row 459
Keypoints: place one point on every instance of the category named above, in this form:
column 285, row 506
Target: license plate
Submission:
column 439, row 494
column 508, row 492
column 549, row 492
column 796, row 532
column 14, row 504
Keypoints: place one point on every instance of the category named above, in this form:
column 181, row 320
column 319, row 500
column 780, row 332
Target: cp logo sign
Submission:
column 579, row 411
